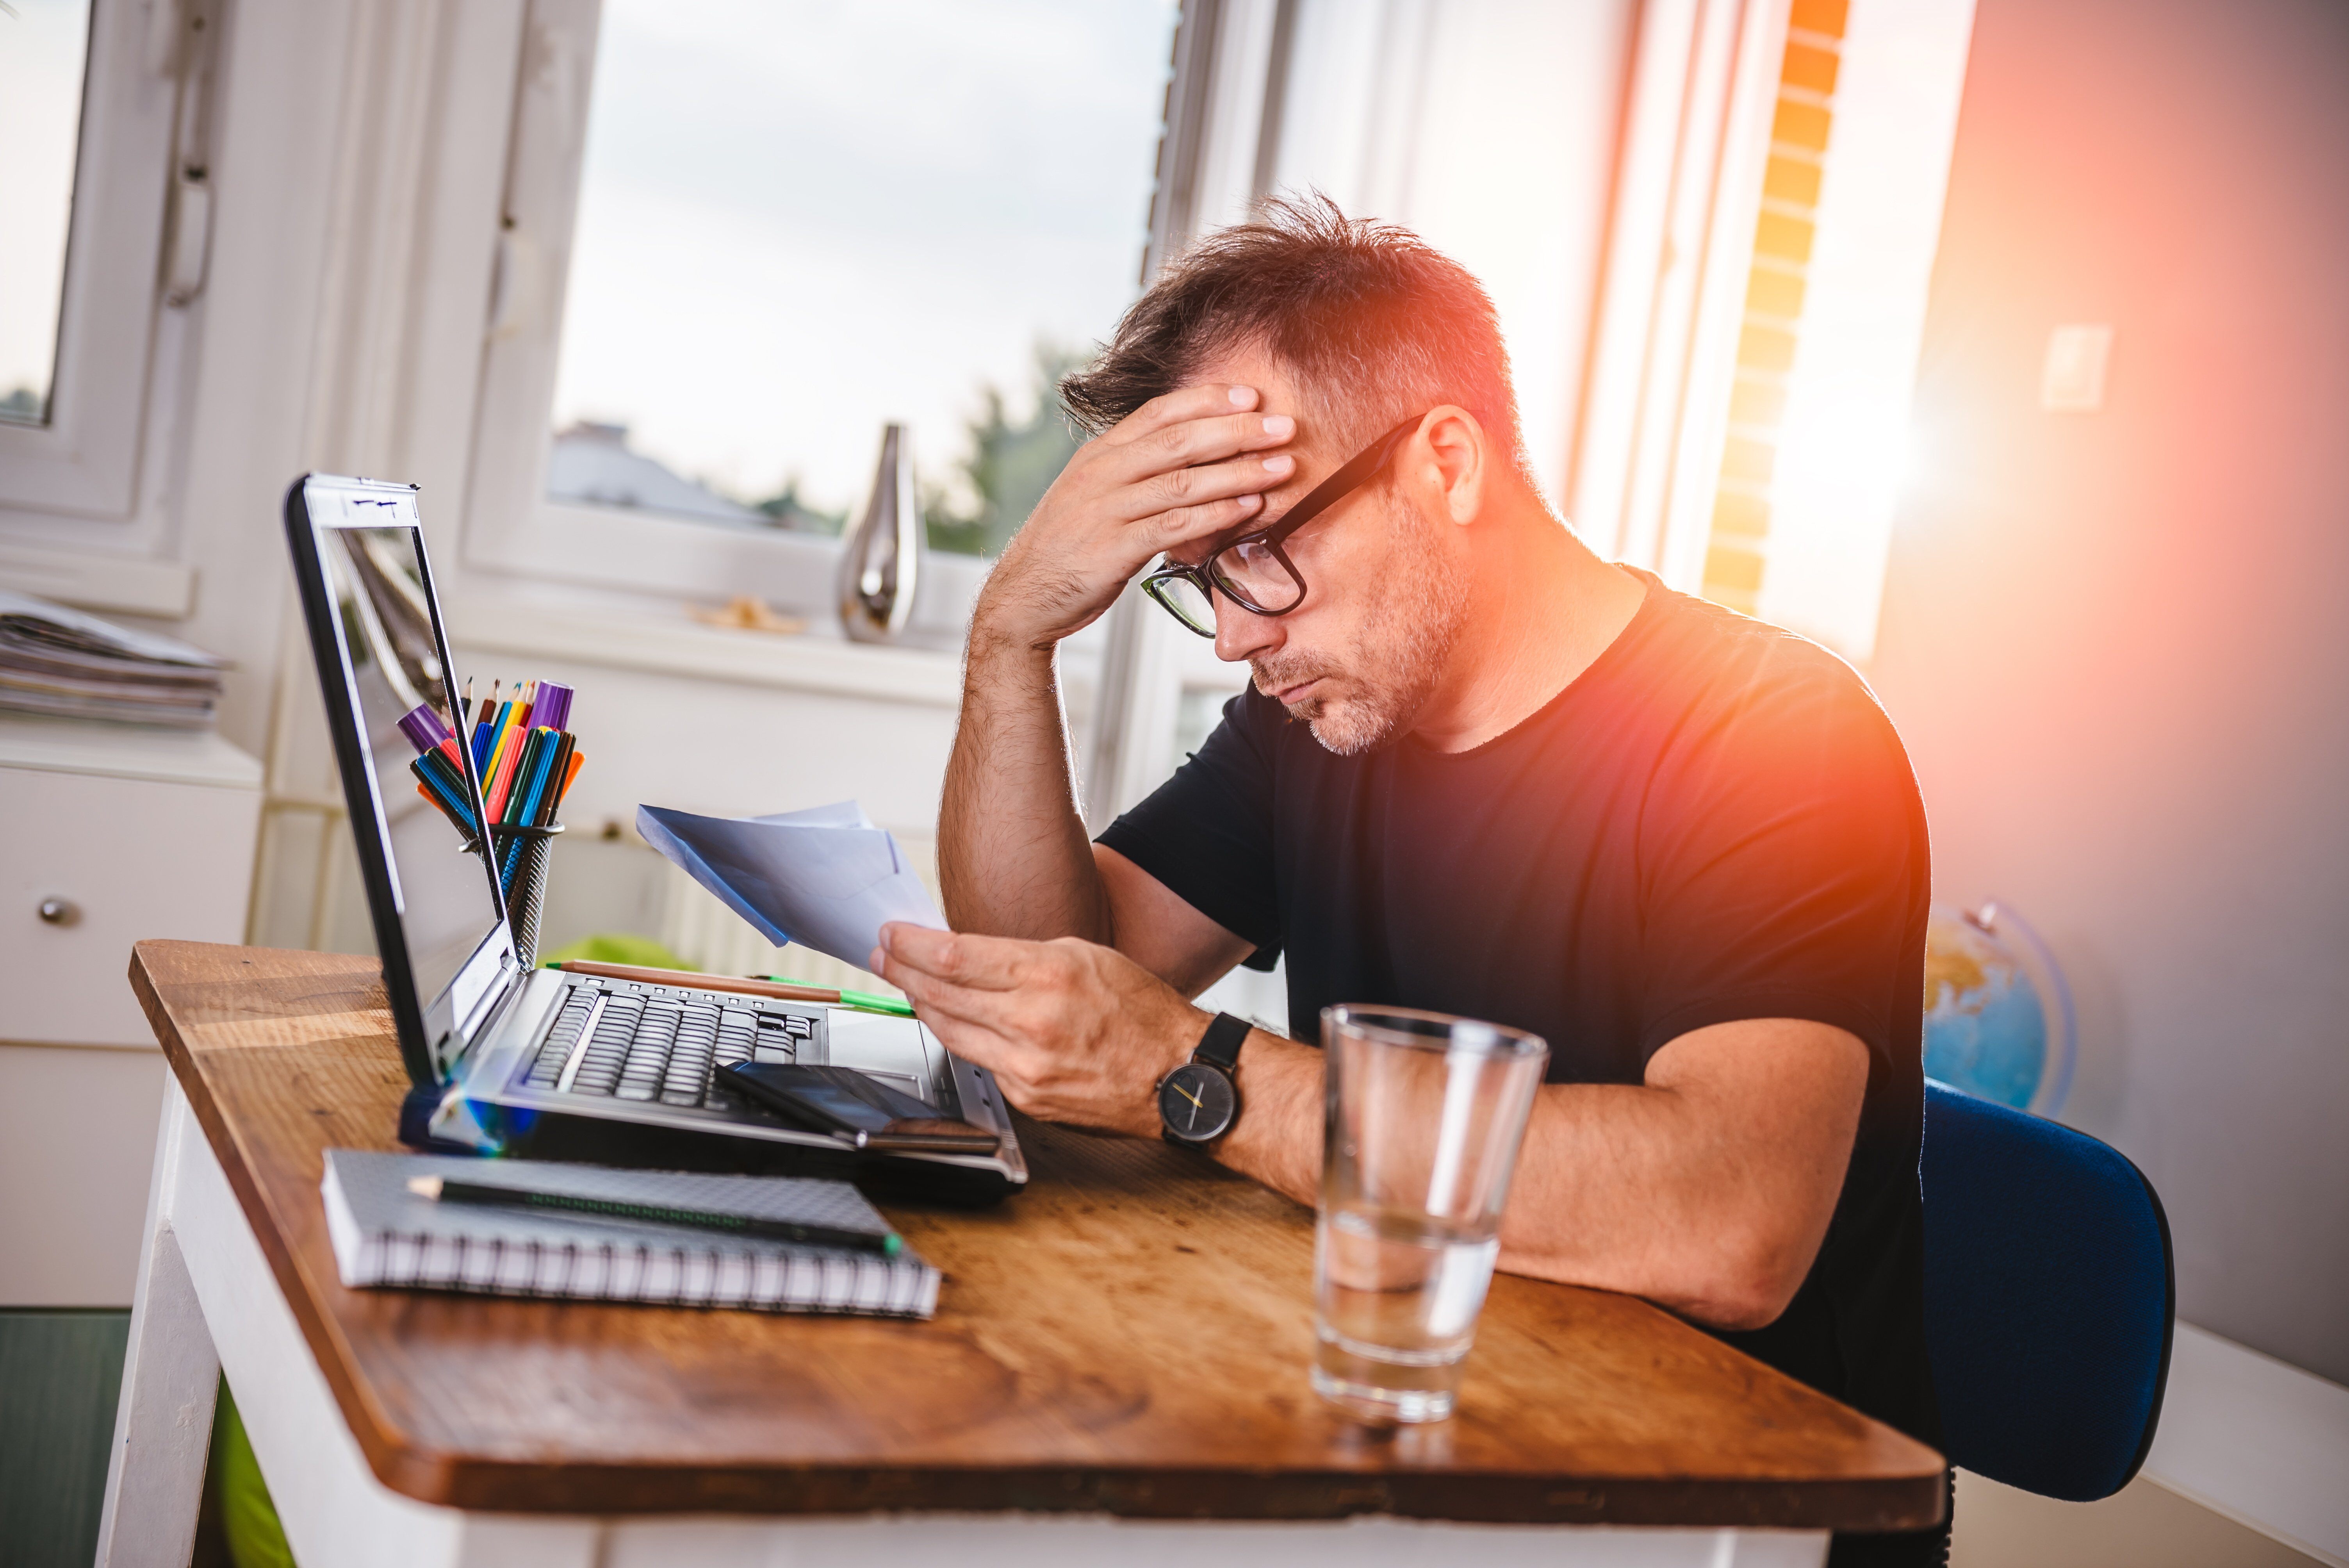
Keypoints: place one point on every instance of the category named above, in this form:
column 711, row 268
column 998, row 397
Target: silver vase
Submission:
column 881, row 565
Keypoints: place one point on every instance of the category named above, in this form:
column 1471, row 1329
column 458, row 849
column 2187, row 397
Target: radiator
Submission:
column 697, row 928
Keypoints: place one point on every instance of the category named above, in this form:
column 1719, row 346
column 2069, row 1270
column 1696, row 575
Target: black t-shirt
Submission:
column 1715, row 822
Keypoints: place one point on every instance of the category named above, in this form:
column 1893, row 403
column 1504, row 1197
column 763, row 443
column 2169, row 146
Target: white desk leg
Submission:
column 164, row 1426
column 336, row 1513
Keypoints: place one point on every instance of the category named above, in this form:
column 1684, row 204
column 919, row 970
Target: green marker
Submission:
column 800, row 990
column 866, row 1001
column 863, row 1001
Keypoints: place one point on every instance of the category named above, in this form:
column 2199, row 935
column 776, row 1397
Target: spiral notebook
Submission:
column 384, row 1235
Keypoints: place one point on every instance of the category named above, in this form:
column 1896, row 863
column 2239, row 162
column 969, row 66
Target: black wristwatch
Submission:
column 1197, row 1101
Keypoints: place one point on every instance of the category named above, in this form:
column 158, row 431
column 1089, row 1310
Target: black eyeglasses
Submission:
column 1247, row 564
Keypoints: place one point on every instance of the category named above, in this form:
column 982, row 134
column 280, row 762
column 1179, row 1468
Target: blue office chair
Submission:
column 2049, row 1299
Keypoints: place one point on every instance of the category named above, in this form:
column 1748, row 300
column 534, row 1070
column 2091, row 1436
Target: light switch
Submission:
column 2072, row 380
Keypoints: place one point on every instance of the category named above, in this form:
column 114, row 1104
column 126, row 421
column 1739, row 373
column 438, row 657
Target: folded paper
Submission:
column 825, row 879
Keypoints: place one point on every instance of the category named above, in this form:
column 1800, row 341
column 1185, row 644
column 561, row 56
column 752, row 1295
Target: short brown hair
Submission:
column 1376, row 323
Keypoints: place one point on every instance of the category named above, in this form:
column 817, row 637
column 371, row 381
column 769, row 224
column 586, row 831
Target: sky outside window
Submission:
column 44, row 47
column 800, row 220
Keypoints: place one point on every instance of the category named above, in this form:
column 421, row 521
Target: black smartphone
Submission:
column 844, row 1102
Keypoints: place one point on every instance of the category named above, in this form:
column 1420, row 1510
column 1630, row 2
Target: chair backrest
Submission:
column 2049, row 1299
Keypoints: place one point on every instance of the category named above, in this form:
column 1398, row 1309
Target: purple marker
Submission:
column 551, row 708
column 423, row 729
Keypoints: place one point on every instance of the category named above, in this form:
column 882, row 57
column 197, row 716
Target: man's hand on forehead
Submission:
column 1181, row 468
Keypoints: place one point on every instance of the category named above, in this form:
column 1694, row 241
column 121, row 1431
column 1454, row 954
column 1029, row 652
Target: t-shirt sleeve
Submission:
column 1786, row 867
column 1207, row 832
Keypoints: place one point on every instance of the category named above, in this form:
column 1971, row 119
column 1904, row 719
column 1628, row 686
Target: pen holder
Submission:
column 526, row 850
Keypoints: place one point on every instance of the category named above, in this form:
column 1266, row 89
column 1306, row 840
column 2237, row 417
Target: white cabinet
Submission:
column 76, row 1142
column 108, row 834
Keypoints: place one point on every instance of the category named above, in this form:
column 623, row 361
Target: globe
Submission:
column 1998, row 1015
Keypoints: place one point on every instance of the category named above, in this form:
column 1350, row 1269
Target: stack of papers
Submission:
column 826, row 878
column 62, row 663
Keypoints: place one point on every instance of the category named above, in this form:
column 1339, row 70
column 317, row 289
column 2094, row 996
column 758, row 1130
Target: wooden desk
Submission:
column 1127, row 1339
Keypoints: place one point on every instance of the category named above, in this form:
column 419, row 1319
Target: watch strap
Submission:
column 1220, row 1045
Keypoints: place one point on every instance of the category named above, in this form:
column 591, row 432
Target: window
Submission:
column 1773, row 232
column 1890, row 115
column 1488, row 128
column 87, row 96
column 749, row 235
column 42, row 62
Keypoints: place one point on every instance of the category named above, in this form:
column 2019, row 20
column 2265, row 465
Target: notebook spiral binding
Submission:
column 649, row 1274
column 384, row 1235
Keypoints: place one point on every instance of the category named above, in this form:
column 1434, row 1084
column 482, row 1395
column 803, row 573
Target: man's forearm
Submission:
column 1708, row 1188
column 1704, row 1191
column 1278, row 1139
column 1013, row 857
column 1187, row 465
column 1585, row 1143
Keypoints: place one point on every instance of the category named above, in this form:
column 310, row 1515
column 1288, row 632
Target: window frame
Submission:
column 85, row 479
column 1663, row 353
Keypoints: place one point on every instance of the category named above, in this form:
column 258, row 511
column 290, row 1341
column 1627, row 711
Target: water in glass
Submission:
column 1399, row 1292
column 1426, row 1112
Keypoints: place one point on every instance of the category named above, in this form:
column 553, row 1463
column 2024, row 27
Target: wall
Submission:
column 2114, row 641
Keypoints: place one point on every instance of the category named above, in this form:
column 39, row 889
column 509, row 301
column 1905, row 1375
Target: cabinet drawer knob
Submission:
column 60, row 911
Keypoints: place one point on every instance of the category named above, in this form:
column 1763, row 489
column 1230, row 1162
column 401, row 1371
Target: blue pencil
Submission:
column 541, row 758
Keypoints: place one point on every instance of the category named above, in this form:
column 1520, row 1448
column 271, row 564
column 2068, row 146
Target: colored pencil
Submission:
column 538, row 756
column 523, row 755
column 541, row 793
column 451, row 800
column 507, row 758
column 481, row 732
column 505, row 751
column 510, row 859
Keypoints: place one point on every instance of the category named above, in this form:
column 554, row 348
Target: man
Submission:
column 1480, row 771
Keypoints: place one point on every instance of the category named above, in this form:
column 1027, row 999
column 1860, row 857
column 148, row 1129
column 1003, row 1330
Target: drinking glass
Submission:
column 1426, row 1112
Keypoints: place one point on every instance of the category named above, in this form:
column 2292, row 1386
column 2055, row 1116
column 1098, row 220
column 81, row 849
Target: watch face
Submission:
column 1197, row 1102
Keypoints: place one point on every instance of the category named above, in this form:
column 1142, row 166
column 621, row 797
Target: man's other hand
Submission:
column 1074, row 1032
column 1182, row 467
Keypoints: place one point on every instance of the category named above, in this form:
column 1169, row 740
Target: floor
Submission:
column 59, row 1372
column 2142, row 1526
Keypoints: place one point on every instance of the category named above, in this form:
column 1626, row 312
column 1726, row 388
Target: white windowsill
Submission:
column 99, row 580
column 675, row 644
column 125, row 751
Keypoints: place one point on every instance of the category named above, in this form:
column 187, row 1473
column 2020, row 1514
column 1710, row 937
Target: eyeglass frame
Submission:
column 1352, row 476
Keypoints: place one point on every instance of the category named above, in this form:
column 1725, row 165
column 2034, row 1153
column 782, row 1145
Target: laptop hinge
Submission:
column 494, row 1001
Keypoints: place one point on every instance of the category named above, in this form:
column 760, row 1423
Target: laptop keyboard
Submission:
column 656, row 1049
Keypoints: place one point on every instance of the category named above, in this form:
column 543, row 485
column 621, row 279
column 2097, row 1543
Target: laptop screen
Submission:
column 447, row 900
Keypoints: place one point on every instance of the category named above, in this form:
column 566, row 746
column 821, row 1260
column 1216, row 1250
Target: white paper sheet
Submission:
column 824, row 878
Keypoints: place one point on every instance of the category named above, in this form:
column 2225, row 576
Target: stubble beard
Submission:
column 1415, row 614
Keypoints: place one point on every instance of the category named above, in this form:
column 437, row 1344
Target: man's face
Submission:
column 1386, row 592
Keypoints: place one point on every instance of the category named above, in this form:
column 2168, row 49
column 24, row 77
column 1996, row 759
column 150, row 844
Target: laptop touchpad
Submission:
column 888, row 1049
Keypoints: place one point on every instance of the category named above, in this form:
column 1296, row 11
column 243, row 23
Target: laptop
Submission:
column 544, row 1063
